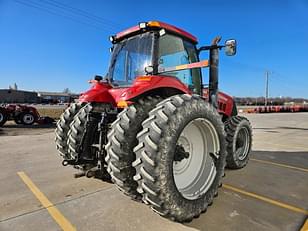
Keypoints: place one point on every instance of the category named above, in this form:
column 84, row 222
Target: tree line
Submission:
column 255, row 101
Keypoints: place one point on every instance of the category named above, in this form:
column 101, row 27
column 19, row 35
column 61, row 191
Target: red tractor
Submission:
column 151, row 123
column 22, row 114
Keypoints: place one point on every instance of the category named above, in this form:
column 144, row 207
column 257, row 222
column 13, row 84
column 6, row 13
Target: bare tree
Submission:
column 66, row 90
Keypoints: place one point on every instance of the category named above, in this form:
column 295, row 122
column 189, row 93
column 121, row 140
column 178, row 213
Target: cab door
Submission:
column 174, row 51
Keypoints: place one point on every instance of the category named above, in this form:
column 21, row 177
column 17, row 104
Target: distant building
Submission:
column 18, row 96
column 56, row 97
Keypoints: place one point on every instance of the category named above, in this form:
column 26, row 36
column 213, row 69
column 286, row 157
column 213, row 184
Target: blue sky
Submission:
column 53, row 50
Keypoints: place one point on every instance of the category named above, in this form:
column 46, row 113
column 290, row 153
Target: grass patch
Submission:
column 51, row 112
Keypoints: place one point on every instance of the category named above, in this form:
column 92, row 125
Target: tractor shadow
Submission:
column 52, row 125
column 12, row 129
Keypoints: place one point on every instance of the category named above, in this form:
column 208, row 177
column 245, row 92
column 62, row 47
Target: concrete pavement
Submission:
column 90, row 204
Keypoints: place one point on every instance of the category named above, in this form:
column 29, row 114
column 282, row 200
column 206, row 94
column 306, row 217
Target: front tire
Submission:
column 121, row 142
column 176, row 175
column 239, row 141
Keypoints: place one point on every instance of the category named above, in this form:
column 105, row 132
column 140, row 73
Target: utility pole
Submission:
column 266, row 87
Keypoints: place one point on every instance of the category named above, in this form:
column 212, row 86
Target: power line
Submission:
column 251, row 67
column 30, row 4
column 280, row 79
column 83, row 13
column 52, row 11
column 80, row 13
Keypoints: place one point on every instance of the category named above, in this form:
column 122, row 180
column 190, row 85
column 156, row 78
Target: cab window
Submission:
column 174, row 51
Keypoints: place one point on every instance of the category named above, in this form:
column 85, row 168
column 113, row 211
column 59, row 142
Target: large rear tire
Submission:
column 121, row 141
column 63, row 127
column 239, row 141
column 180, row 157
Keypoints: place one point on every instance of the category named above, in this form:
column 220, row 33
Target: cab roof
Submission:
column 154, row 24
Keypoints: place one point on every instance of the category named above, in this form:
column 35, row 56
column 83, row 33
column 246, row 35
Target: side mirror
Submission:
column 230, row 47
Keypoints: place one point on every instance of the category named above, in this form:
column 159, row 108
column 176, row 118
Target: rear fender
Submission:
column 226, row 104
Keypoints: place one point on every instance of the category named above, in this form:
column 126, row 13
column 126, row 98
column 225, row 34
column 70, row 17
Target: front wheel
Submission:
column 239, row 141
column 27, row 118
column 180, row 157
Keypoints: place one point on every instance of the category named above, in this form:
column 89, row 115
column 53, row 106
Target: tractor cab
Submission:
column 155, row 58
column 150, row 49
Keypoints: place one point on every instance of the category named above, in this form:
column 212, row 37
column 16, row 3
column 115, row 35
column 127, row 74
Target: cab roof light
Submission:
column 162, row 32
column 142, row 25
column 154, row 24
column 112, row 38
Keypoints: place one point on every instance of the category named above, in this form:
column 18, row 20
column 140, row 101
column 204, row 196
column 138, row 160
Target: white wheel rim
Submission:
column 194, row 176
column 1, row 117
column 28, row 118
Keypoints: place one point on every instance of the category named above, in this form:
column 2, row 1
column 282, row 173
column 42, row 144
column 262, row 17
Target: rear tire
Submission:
column 164, row 181
column 82, row 136
column 121, row 141
column 239, row 141
column 63, row 127
column 3, row 117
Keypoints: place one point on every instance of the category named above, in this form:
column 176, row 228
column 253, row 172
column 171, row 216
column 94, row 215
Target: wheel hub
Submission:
column 239, row 143
column 180, row 153
column 28, row 118
column 242, row 143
